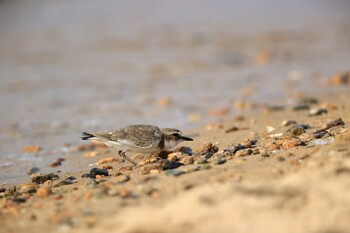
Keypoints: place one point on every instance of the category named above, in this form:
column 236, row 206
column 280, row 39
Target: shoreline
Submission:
column 238, row 178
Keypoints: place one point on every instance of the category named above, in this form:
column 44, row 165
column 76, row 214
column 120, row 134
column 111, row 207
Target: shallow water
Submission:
column 72, row 66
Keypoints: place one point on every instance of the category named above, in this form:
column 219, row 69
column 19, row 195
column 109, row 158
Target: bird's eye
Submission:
column 176, row 134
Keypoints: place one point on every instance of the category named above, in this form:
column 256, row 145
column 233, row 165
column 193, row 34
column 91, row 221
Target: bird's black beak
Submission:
column 186, row 138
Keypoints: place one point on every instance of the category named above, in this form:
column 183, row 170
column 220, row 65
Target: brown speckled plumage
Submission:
column 140, row 135
column 139, row 139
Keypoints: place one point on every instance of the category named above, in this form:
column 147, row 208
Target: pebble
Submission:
column 33, row 170
column 323, row 141
column 333, row 123
column 43, row 191
column 122, row 178
column 19, row 200
column 232, row 129
column 57, row 163
column 219, row 111
column 64, row 182
column 214, row 126
column 340, row 79
column 305, row 137
column 208, row 150
column 41, row 178
column 187, row 160
column 171, row 164
column 28, row 188
column 320, row 133
column 317, row 111
column 95, row 171
column 220, row 161
column 295, row 130
column 163, row 101
column 272, row 146
column 174, row 172
column 242, row 153
column 175, row 156
column 31, row 149
column 201, row 160
column 288, row 123
column 247, row 143
column 185, row 150
column 107, row 160
column 264, row 153
column 192, row 168
column 287, row 143
column 146, row 169
column 301, row 107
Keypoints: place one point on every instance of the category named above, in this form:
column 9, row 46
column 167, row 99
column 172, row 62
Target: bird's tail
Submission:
column 86, row 136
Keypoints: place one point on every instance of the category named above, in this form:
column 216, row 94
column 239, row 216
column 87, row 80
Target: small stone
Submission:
column 242, row 153
column 33, row 170
column 28, row 188
column 95, row 171
column 272, row 146
column 241, row 105
column 174, row 172
column 201, row 160
column 247, row 143
column 108, row 167
column 122, row 178
column 301, row 107
column 64, row 182
column 333, row 123
column 232, row 129
column 288, row 123
column 295, row 130
column 306, row 137
column 185, row 150
column 220, row 161
column 317, row 111
column 340, row 79
column 86, row 175
column 214, row 126
column 192, row 168
column 31, row 149
column 208, row 150
column 56, row 163
column 107, row 160
column 90, row 154
column 19, row 200
column 287, row 143
column 163, row 101
column 146, row 169
column 319, row 133
column 170, row 164
column 219, row 111
column 262, row 57
column 43, row 191
column 41, row 178
column 174, row 156
column 264, row 153
column 187, row 160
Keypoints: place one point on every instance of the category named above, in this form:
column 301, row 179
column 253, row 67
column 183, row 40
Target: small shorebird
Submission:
column 139, row 139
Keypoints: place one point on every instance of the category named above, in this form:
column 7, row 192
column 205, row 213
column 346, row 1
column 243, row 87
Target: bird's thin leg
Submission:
column 123, row 155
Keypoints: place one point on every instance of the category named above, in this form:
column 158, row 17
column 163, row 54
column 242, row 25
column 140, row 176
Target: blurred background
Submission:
column 70, row 66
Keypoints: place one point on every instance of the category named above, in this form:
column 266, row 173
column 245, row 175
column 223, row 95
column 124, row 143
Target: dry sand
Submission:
column 301, row 187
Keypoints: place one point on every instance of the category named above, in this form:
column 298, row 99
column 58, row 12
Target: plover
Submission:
column 139, row 139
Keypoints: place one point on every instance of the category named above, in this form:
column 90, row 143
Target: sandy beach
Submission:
column 263, row 88
column 246, row 174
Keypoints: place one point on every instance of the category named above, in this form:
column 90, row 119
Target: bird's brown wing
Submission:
column 139, row 135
